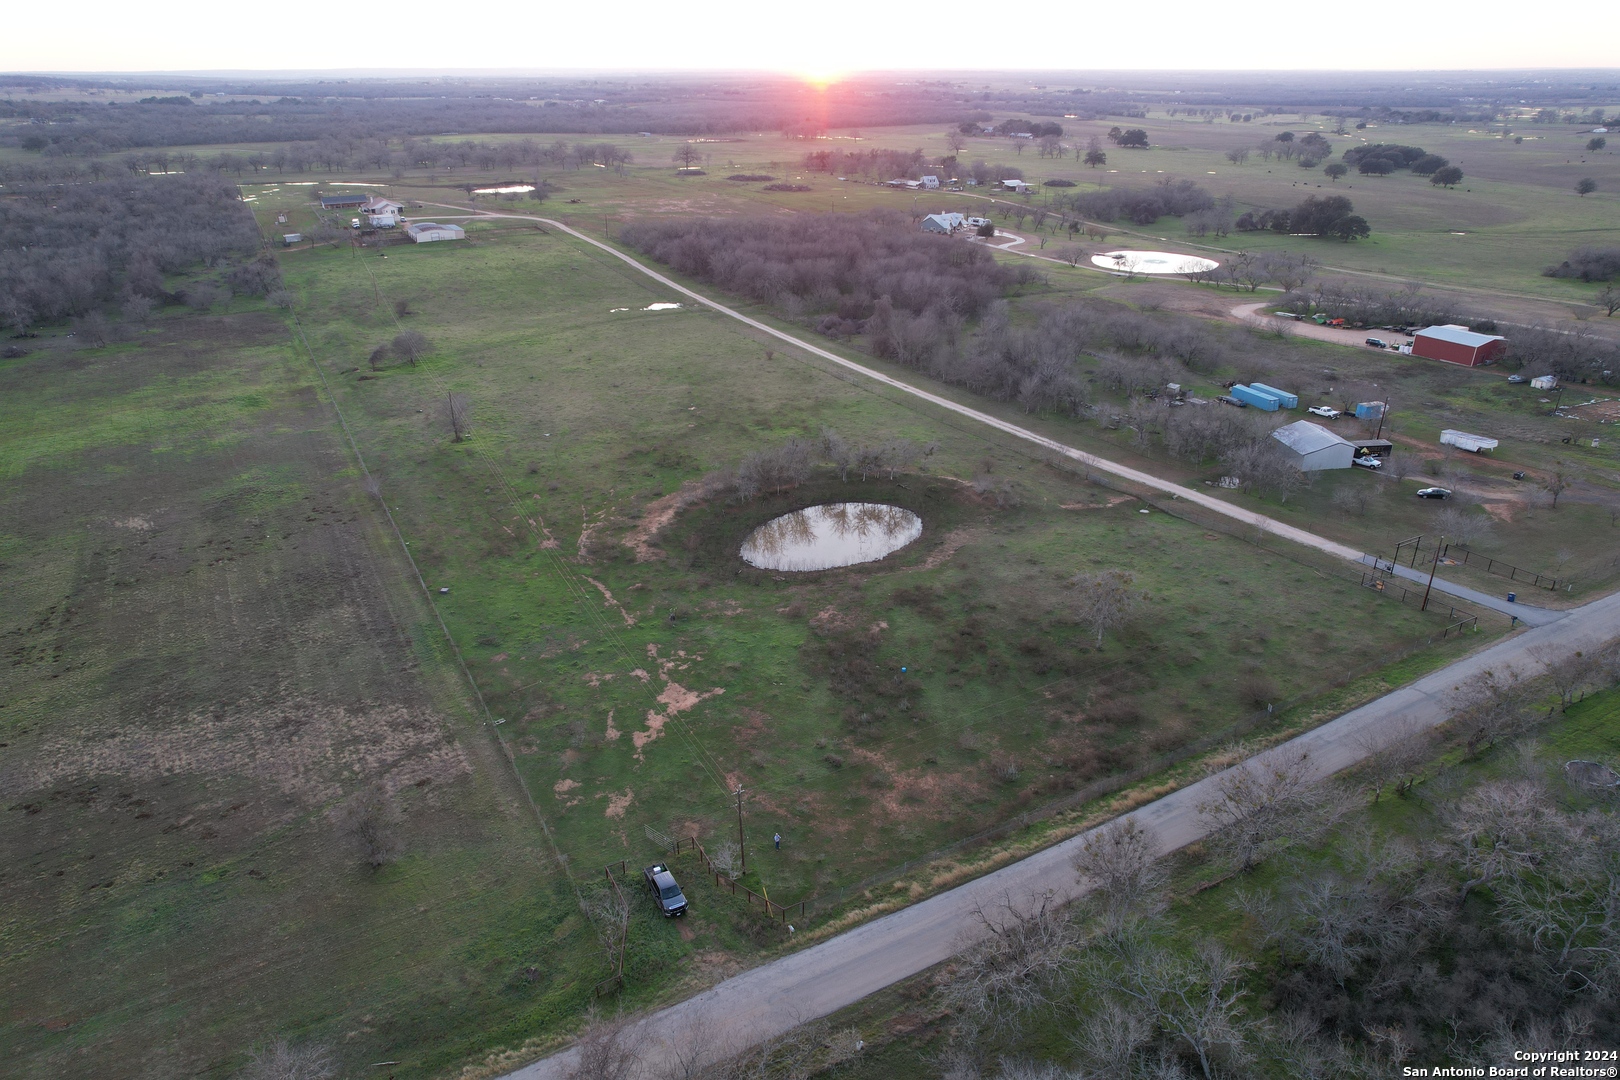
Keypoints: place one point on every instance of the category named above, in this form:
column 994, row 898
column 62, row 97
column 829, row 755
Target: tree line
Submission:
column 67, row 250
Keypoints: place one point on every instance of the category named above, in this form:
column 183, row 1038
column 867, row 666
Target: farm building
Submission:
column 1016, row 186
column 1457, row 345
column 289, row 239
column 1313, row 447
column 943, row 223
column 1545, row 382
column 379, row 205
column 931, row 183
column 424, row 232
column 343, row 202
column 1474, row 444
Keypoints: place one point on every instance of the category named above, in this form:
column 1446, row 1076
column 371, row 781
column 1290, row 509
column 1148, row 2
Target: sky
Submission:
column 818, row 39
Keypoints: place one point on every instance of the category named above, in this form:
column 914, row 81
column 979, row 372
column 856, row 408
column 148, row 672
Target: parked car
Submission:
column 1434, row 493
column 1517, row 379
column 1326, row 411
column 666, row 893
column 354, row 223
column 1368, row 461
column 1378, row 343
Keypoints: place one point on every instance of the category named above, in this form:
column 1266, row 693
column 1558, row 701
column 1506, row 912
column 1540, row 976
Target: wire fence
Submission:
column 1504, row 569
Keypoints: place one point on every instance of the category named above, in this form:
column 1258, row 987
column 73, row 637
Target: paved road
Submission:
column 1193, row 495
column 775, row 997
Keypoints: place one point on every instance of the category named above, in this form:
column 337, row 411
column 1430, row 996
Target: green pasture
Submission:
column 586, row 417
column 211, row 646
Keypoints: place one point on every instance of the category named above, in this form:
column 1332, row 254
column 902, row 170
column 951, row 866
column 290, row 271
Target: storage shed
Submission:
column 1457, row 345
column 1369, row 410
column 1545, row 382
column 1260, row 399
column 1474, row 444
column 1284, row 398
column 424, row 232
column 1313, row 447
column 343, row 202
column 1373, row 447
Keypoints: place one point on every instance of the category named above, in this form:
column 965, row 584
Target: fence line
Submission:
column 1496, row 566
column 724, row 881
column 1380, row 584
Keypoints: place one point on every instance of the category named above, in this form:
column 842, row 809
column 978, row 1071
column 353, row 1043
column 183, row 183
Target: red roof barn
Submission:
column 1457, row 345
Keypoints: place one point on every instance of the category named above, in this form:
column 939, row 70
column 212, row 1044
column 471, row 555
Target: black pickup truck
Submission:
column 667, row 894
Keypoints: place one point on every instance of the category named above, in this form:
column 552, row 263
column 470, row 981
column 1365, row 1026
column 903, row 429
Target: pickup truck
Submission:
column 666, row 894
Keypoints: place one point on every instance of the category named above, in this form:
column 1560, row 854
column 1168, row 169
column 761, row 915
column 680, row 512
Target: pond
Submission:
column 505, row 189
column 824, row 537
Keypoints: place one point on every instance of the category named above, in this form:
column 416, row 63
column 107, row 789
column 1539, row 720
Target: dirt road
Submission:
column 776, row 997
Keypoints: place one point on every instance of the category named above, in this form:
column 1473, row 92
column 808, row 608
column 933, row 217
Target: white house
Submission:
column 931, row 183
column 424, row 232
column 1312, row 447
column 945, row 224
column 382, row 221
column 379, row 205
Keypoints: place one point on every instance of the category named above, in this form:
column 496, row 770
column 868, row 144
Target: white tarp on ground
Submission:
column 1153, row 262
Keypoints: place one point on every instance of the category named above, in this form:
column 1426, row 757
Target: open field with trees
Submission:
column 245, row 759
column 1384, row 924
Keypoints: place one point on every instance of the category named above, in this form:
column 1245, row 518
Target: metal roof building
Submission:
column 1456, row 345
column 1313, row 447
column 427, row 231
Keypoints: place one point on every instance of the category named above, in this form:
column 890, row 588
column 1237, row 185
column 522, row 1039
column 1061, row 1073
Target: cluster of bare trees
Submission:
column 68, row 250
column 778, row 468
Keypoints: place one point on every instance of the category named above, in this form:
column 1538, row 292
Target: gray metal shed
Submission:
column 1313, row 447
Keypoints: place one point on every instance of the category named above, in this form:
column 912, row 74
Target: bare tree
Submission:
column 1193, row 1000
column 457, row 412
column 1556, row 483
column 1014, row 970
column 1499, row 830
column 1461, row 527
column 687, row 155
column 609, row 911
column 606, row 1050
column 724, row 857
column 411, row 346
column 281, row 1060
column 370, row 821
column 1392, row 757
column 1120, row 863
column 1105, row 600
column 1569, row 909
column 1354, row 498
column 1260, row 806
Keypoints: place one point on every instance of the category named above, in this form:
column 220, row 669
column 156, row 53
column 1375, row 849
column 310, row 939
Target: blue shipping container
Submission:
column 1284, row 398
column 1369, row 410
column 1258, row 398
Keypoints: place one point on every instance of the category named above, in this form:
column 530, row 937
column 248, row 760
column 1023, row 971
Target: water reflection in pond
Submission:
column 506, row 189
column 822, row 537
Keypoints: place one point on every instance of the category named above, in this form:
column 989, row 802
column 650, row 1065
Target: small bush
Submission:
column 787, row 187
column 1256, row 690
column 751, row 178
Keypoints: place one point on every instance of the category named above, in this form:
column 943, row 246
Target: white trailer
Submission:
column 1474, row 444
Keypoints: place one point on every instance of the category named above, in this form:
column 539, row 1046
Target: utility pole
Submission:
column 1438, row 545
column 1381, row 414
column 742, row 848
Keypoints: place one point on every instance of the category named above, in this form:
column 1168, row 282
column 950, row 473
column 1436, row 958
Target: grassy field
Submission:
column 639, row 686
column 907, row 1032
column 212, row 648
column 216, row 647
